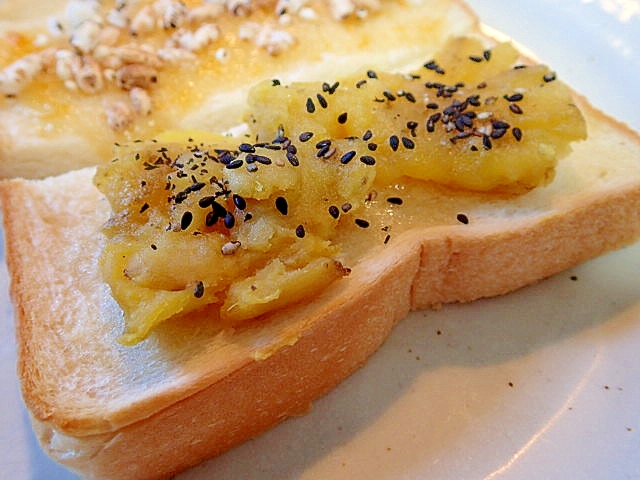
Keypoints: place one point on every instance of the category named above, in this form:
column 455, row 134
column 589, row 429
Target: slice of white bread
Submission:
column 41, row 136
column 94, row 406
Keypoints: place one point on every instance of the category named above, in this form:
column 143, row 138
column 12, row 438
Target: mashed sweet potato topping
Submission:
column 246, row 225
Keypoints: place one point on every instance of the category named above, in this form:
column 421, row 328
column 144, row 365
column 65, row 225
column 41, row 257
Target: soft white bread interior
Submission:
column 191, row 390
column 41, row 136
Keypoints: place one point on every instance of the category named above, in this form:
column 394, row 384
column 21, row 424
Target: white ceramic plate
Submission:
column 542, row 383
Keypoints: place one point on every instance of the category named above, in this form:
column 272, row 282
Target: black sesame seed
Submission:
column 300, row 233
column 211, row 219
column 408, row 143
column 367, row 135
column 347, row 157
column 432, row 65
column 144, row 208
column 293, row 160
column 517, row 133
column 360, row 83
column 515, row 109
column 389, row 96
column 246, row 148
column 474, row 58
column 153, row 246
column 321, row 100
column 239, row 202
column 252, row 167
column 197, row 186
column 310, row 106
column 387, row 238
column 473, row 148
column 371, row 74
column 346, row 207
column 462, row 122
column 368, row 160
column 237, row 163
column 498, row 133
column 460, row 136
column 262, row 159
column 361, row 223
column 431, row 122
column 487, row 55
column 474, row 100
column 282, row 206
column 323, row 143
column 516, row 97
column 500, row 125
column 275, row 82
column 549, row 77
column 199, row 290
column 324, row 151
column 229, row 220
column 342, row 118
column 432, row 106
column 181, row 197
column 394, row 142
column 225, row 157
column 186, row 219
column 334, row 212
column 409, row 96
column 395, row 200
column 462, row 218
column 466, row 120
column 372, row 146
column 305, row 136
column 486, row 142
column 451, row 109
column 482, row 85
column 219, row 209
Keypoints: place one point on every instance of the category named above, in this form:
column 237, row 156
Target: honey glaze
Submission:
column 72, row 76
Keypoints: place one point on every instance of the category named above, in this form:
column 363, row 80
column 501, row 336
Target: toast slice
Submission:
column 41, row 136
column 92, row 407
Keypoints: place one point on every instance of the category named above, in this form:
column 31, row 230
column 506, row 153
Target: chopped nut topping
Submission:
column 19, row 74
column 119, row 115
column 141, row 100
column 136, row 75
column 122, row 46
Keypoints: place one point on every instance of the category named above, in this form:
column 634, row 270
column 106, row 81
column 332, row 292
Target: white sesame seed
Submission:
column 230, row 248
column 222, row 54
column 308, row 13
